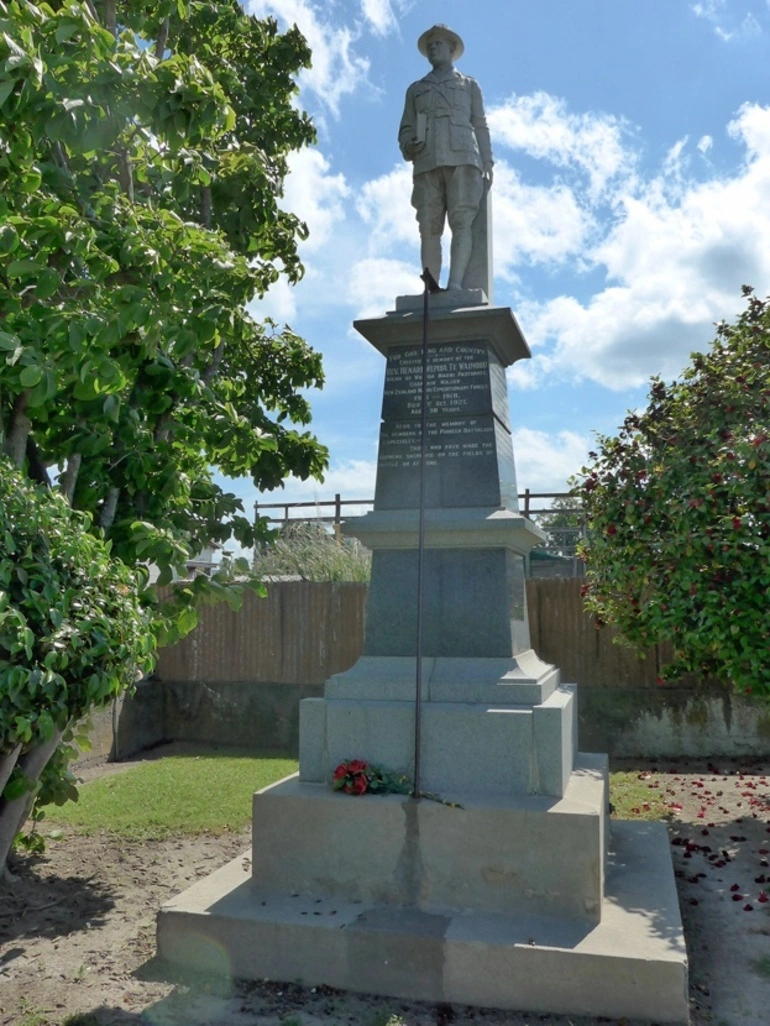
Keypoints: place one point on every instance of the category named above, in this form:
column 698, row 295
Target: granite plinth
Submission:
column 501, row 727
column 473, row 603
column 630, row 963
column 495, row 325
column 523, row 679
column 487, row 855
column 468, row 528
column 465, row 747
column 445, row 299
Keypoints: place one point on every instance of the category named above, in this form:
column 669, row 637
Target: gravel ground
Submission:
column 77, row 927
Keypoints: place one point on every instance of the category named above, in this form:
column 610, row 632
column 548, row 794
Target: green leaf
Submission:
column 9, row 238
column 30, row 376
column 23, row 268
column 6, row 88
column 16, row 788
column 48, row 282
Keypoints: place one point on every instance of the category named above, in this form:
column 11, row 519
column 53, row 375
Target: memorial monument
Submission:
column 507, row 886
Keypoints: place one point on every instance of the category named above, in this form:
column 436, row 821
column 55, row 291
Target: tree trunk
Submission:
column 13, row 814
column 69, row 478
column 18, row 431
column 7, row 762
column 109, row 509
column 160, row 43
column 38, row 471
column 110, row 16
column 206, row 206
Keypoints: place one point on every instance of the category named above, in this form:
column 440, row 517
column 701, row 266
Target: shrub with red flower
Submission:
column 678, row 510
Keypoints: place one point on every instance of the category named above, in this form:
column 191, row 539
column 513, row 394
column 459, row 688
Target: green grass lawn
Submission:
column 632, row 798
column 176, row 794
column 211, row 792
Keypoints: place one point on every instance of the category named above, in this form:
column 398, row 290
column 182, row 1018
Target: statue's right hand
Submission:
column 413, row 149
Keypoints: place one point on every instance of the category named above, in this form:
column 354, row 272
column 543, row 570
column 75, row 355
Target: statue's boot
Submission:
column 430, row 254
column 462, row 245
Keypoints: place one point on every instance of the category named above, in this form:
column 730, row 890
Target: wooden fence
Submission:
column 304, row 631
column 238, row 678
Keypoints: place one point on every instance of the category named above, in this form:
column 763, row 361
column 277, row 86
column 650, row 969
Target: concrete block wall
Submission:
column 239, row 677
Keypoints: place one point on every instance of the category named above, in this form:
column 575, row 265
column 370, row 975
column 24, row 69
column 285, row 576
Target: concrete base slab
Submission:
column 633, row 963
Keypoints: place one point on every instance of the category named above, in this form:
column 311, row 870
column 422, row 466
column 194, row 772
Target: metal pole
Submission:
column 430, row 286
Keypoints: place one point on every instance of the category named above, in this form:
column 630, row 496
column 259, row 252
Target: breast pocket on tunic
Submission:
column 423, row 99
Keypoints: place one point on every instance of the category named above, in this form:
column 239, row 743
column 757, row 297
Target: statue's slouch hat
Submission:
column 444, row 32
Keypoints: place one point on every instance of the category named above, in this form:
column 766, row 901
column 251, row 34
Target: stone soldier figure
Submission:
column 444, row 133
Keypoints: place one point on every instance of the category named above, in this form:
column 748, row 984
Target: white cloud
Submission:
column 723, row 20
column 675, row 261
column 534, row 224
column 383, row 204
column 351, row 479
column 544, row 462
column 375, row 282
column 542, row 126
column 315, row 195
column 278, row 303
column 382, row 15
column 705, row 143
column 337, row 69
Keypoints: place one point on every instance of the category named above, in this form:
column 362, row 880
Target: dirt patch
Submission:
column 77, row 931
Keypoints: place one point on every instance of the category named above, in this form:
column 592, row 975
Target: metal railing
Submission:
column 557, row 557
column 336, row 504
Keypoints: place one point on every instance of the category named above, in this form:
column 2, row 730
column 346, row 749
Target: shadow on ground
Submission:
column 50, row 906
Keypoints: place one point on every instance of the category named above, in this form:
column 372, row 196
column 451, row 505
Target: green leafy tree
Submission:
column 564, row 524
column 308, row 550
column 143, row 150
column 73, row 634
column 678, row 506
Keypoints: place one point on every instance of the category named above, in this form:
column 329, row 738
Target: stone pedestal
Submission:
column 495, row 720
column 498, row 894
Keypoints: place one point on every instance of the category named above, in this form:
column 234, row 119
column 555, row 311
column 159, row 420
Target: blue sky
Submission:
column 631, row 201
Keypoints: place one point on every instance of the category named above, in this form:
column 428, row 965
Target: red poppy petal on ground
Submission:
column 748, row 908
column 763, row 898
column 737, row 897
column 735, row 887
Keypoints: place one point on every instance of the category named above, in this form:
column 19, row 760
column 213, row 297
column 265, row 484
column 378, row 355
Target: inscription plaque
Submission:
column 468, row 455
column 458, row 381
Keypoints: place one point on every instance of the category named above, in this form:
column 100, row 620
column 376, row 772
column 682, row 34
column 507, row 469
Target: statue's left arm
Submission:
column 481, row 129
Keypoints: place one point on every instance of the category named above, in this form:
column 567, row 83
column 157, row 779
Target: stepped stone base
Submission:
column 484, row 856
column 489, row 727
column 631, row 964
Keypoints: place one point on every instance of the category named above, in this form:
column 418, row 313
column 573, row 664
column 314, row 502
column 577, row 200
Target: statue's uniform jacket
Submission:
column 457, row 131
